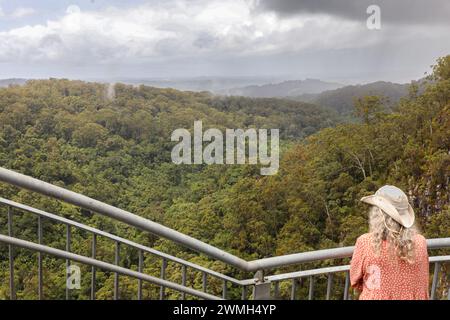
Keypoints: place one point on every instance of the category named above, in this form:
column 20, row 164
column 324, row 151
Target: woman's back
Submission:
column 387, row 276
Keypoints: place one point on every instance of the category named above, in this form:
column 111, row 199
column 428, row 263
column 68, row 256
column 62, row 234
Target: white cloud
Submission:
column 22, row 12
column 1, row 12
column 173, row 29
column 73, row 9
column 196, row 36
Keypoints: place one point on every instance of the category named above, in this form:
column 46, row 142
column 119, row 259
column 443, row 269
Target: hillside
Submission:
column 341, row 99
column 8, row 82
column 284, row 89
column 217, row 85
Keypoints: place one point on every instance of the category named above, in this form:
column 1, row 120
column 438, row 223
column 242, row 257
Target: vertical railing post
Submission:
column 276, row 290
column 329, row 285
column 162, row 290
column 225, row 289
column 293, row 289
column 40, row 277
column 68, row 240
column 12, row 291
column 204, row 281
column 347, row 285
column 311, row 288
column 437, row 268
column 244, row 293
column 261, row 289
column 116, row 275
column 140, row 269
column 93, row 270
column 183, row 280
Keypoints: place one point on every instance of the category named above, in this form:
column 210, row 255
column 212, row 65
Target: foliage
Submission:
column 118, row 151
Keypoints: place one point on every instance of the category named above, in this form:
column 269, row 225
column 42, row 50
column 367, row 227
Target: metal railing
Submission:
column 118, row 241
column 276, row 279
column 129, row 218
column 262, row 285
column 102, row 265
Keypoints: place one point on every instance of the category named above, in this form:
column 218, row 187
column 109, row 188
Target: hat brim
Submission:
column 404, row 217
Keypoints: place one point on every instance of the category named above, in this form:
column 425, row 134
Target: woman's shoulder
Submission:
column 420, row 239
column 364, row 239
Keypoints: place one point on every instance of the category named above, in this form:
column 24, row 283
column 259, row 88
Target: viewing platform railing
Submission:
column 263, row 286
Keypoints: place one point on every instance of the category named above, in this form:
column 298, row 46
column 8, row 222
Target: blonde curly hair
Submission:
column 399, row 238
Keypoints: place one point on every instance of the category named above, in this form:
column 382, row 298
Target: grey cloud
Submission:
column 205, row 40
column 51, row 40
column 167, row 47
column 188, row 43
column 392, row 11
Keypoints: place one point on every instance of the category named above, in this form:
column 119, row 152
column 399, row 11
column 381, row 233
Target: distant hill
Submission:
column 8, row 82
column 289, row 88
column 341, row 100
column 216, row 85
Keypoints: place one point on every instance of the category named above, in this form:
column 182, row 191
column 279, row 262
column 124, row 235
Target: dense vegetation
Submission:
column 291, row 88
column 118, row 150
column 341, row 99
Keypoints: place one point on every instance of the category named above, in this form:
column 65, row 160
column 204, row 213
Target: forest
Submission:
column 116, row 149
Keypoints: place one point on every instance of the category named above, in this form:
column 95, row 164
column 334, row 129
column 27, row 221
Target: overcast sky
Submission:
column 321, row 39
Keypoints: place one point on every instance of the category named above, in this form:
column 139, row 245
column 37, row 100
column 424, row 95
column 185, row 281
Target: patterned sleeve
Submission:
column 357, row 266
column 426, row 266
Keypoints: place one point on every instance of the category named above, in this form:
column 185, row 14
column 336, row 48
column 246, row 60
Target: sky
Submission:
column 291, row 39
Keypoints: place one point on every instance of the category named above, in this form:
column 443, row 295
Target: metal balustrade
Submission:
column 264, row 286
column 118, row 241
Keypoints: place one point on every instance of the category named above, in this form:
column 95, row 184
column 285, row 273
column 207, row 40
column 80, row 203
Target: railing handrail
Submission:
column 105, row 266
column 88, row 203
column 105, row 234
column 325, row 270
column 85, row 202
column 276, row 277
column 335, row 253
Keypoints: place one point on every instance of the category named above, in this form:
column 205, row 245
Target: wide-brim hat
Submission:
column 393, row 202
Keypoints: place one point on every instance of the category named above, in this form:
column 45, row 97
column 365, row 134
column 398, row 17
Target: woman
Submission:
column 391, row 261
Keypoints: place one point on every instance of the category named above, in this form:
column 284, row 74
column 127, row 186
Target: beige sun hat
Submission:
column 393, row 202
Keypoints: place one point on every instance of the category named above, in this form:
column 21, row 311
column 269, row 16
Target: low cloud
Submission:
column 175, row 29
column 393, row 11
column 22, row 12
column 233, row 37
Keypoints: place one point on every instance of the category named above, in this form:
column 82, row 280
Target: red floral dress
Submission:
column 387, row 277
